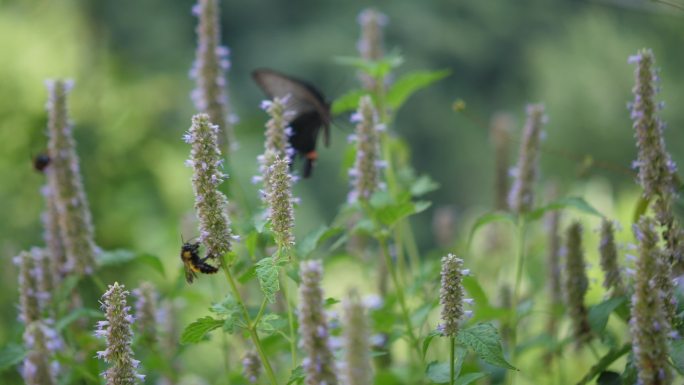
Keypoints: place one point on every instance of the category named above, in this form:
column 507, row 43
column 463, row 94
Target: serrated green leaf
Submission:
column 330, row 301
column 677, row 355
column 410, row 83
column 469, row 378
column 267, row 275
column 498, row 216
column 312, row 240
column 485, row 341
column 347, row 102
column 270, row 323
column 11, row 355
column 297, row 376
column 196, row 331
column 389, row 215
column 599, row 313
column 576, row 203
column 77, row 314
column 423, row 185
column 438, row 372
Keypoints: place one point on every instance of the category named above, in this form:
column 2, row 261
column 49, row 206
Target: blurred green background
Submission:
column 130, row 105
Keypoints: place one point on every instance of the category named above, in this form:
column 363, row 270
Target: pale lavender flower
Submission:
column 365, row 175
column 319, row 365
column 251, row 366
column 521, row 196
column 280, row 203
column 71, row 203
column 648, row 324
column 116, row 330
column 357, row 368
column 35, row 285
column 656, row 167
column 452, row 295
column 576, row 285
column 612, row 281
column 209, row 71
column 210, row 204
column 146, row 311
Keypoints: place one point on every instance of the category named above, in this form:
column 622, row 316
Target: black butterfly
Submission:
column 310, row 109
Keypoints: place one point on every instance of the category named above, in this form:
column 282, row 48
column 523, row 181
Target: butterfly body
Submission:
column 192, row 262
column 41, row 161
column 311, row 112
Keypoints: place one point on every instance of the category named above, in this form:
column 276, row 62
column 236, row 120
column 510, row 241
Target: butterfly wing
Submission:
column 304, row 99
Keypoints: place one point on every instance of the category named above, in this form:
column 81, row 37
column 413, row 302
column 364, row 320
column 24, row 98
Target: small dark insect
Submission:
column 310, row 108
column 41, row 161
column 193, row 263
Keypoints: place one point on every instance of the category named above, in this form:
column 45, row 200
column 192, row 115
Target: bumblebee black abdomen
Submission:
column 206, row 268
column 193, row 263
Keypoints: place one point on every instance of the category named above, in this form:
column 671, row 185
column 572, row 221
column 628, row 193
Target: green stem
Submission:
column 290, row 319
column 250, row 326
column 400, row 296
column 452, row 360
column 522, row 232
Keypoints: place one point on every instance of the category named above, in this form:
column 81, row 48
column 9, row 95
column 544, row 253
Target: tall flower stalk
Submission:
column 75, row 222
column 521, row 196
column 210, row 203
column 452, row 298
column 576, row 285
column 656, row 167
column 500, row 138
column 319, row 364
column 209, row 71
column 280, row 202
column 118, row 334
column 357, row 368
column 371, row 42
column 648, row 324
column 365, row 175
column 612, row 281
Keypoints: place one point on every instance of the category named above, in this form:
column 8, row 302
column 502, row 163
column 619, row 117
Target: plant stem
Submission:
column 290, row 319
column 250, row 326
column 522, row 232
column 400, row 296
column 452, row 363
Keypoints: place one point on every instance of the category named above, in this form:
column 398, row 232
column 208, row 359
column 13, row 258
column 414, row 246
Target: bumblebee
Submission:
column 41, row 161
column 193, row 263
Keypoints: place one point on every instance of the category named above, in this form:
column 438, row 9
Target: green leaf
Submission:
column 485, row 341
column 475, row 291
column 11, row 355
column 428, row 339
column 677, row 355
column 604, row 362
column 389, row 213
column 640, row 208
column 347, row 102
column 251, row 242
column 488, row 218
column 75, row 315
column 312, row 240
column 599, row 314
column 267, row 275
column 196, row 331
column 576, row 203
column 270, row 323
column 411, row 82
column 330, row 301
column 438, row 372
column 469, row 378
column 297, row 376
column 376, row 69
column 423, row 185
column 122, row 256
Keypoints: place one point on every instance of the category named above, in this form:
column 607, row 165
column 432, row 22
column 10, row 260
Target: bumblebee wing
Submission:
column 190, row 275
